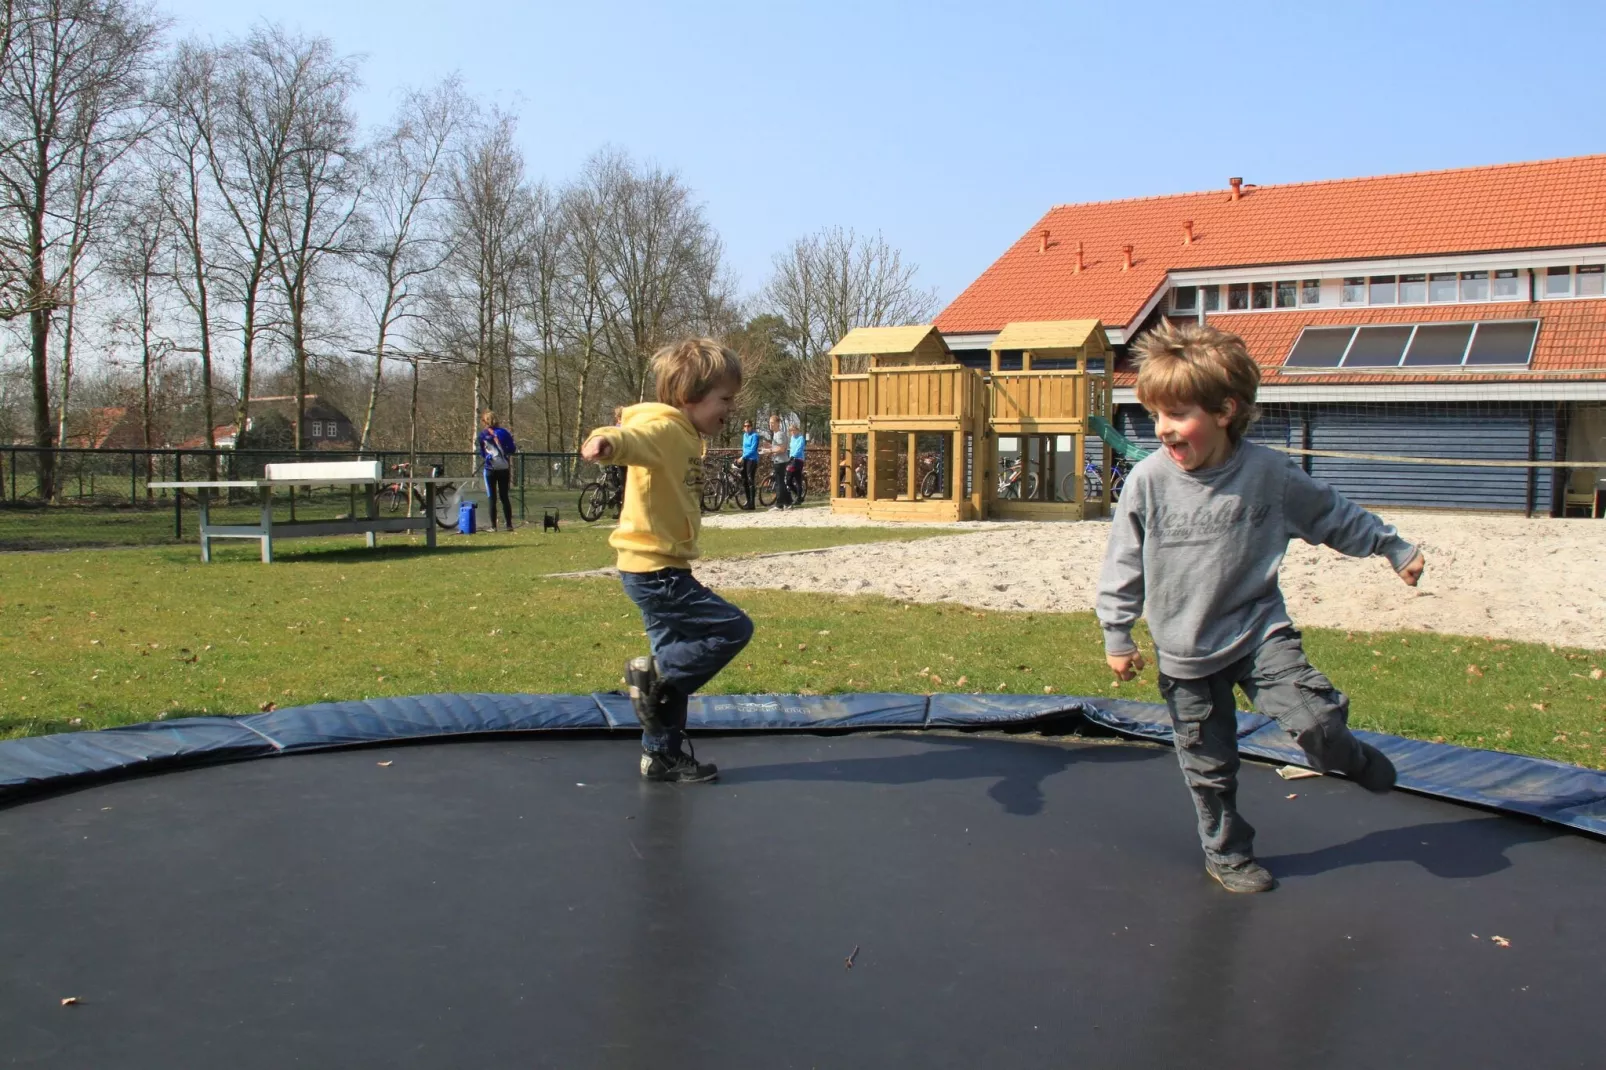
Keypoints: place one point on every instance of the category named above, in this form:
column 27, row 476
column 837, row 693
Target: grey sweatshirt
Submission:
column 1197, row 554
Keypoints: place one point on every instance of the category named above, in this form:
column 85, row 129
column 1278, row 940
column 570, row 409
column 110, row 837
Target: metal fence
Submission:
column 122, row 478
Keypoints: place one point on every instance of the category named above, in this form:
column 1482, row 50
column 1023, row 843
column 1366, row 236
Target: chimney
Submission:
column 1187, row 232
column 1237, row 185
column 1078, row 268
column 1126, row 258
column 1042, row 240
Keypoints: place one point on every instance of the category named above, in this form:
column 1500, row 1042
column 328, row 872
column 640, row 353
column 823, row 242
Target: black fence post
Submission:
column 524, row 514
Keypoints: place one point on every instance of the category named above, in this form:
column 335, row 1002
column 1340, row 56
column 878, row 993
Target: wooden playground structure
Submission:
column 917, row 436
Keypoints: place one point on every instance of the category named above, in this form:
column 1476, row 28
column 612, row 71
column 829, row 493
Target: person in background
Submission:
column 750, row 449
column 495, row 447
column 778, row 450
column 796, row 441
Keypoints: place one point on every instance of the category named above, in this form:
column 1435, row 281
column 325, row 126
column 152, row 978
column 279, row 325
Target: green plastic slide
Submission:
column 1125, row 447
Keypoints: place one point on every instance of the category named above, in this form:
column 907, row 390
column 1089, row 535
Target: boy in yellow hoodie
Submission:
column 693, row 632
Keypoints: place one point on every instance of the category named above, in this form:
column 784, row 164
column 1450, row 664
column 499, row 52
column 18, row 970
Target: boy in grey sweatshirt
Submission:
column 1195, row 546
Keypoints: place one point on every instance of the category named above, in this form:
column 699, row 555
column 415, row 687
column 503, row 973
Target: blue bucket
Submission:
column 465, row 517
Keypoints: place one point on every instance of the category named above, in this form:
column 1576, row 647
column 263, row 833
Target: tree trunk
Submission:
column 66, row 364
column 379, row 375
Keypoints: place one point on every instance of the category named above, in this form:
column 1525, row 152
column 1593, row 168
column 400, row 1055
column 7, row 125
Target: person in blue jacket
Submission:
column 794, row 464
column 750, row 443
column 495, row 447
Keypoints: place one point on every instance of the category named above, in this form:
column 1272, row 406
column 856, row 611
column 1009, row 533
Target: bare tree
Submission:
column 262, row 83
column 544, row 275
column 490, row 214
column 657, row 251
column 316, row 200
column 826, row 284
column 405, row 188
column 182, row 148
column 582, row 288
column 137, row 262
column 70, row 98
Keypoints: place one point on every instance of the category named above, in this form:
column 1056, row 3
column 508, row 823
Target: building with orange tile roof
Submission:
column 1457, row 314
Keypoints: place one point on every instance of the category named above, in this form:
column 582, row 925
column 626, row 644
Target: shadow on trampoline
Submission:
column 1450, row 850
column 1020, row 767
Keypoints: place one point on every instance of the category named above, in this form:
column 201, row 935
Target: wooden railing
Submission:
column 850, row 397
column 924, row 392
column 1039, row 396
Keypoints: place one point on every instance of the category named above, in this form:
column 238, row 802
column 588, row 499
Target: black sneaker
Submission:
column 677, row 768
column 1247, row 877
column 641, row 677
column 1377, row 775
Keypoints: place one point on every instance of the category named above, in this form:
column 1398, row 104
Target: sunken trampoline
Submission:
column 874, row 881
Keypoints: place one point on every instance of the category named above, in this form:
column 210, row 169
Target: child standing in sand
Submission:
column 692, row 631
column 1195, row 546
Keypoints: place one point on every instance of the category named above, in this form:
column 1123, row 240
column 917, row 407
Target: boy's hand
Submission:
column 596, row 448
column 1125, row 666
column 1413, row 571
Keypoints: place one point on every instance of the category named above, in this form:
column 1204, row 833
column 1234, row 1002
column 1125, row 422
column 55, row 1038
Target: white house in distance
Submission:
column 1455, row 314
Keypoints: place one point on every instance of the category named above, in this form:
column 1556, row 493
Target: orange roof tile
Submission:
column 1536, row 205
column 1571, row 342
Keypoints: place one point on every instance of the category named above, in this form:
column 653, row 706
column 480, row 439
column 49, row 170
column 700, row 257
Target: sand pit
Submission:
column 1541, row 580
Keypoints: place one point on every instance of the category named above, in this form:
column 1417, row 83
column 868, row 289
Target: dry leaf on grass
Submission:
column 68, row 1001
column 1502, row 941
column 383, row 764
column 1473, row 670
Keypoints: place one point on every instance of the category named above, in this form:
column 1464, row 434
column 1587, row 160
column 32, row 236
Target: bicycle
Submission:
column 600, row 495
column 1009, row 480
column 1093, row 481
column 441, row 498
column 861, row 480
column 931, row 482
column 766, row 490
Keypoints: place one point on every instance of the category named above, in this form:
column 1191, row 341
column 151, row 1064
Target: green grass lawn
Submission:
column 94, row 638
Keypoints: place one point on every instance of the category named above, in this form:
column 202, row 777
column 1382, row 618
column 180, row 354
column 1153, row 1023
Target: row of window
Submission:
column 1243, row 296
column 323, row 429
column 1415, row 345
column 1439, row 287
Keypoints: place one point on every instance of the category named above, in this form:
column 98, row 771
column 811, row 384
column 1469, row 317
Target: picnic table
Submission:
column 440, row 495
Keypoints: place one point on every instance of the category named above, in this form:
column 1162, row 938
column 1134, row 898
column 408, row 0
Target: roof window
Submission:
column 1414, row 345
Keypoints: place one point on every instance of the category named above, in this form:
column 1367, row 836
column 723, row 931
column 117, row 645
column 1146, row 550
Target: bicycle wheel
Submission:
column 446, row 501
column 931, row 484
column 766, row 491
column 1092, row 485
column 800, row 491
column 1031, row 485
column 593, row 500
column 712, row 496
column 392, row 499
column 1115, row 486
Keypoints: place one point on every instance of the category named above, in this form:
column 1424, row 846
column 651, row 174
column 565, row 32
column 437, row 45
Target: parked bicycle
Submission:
column 932, row 482
column 861, row 479
column 1093, row 481
column 600, row 495
column 766, row 490
column 1009, row 480
column 442, row 498
column 722, row 484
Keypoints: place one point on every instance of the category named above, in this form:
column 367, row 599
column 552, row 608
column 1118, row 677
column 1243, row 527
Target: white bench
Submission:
column 441, row 492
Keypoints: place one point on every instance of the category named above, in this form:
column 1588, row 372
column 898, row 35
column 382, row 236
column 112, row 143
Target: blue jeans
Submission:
column 693, row 633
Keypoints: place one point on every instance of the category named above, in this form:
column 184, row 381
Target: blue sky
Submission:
column 951, row 127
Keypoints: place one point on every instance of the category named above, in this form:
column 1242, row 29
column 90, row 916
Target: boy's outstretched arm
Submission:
column 638, row 445
column 1322, row 516
column 1119, row 602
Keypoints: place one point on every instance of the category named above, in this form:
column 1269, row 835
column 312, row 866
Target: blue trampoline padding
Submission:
column 1565, row 794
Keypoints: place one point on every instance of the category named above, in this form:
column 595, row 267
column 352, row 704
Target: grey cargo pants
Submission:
column 1281, row 684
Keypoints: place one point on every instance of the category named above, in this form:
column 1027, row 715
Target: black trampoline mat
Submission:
column 1015, row 902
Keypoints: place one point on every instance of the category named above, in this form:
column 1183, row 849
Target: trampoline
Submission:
column 873, row 881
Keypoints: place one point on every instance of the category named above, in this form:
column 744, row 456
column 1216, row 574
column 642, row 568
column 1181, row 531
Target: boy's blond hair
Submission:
column 688, row 369
column 1194, row 364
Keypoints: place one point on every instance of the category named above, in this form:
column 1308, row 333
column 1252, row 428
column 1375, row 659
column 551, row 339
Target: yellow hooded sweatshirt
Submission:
column 662, row 516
